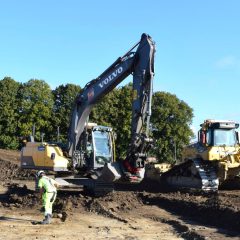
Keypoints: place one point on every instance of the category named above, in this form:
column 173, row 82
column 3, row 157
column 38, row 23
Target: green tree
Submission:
column 8, row 113
column 64, row 97
column 104, row 112
column 122, row 124
column 35, row 108
column 172, row 118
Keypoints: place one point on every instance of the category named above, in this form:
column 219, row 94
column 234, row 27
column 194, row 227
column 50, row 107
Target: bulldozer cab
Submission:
column 219, row 133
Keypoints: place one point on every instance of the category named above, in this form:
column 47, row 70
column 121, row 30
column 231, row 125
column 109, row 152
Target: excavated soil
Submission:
column 218, row 209
column 9, row 167
column 144, row 211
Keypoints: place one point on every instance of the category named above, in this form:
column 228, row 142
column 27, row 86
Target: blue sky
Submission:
column 73, row 41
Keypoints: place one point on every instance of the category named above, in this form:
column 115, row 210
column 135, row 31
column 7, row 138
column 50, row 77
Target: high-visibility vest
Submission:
column 47, row 183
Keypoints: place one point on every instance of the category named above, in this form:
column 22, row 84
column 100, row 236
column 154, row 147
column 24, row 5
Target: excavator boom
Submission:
column 139, row 63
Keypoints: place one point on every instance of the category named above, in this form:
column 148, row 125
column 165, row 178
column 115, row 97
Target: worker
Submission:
column 48, row 192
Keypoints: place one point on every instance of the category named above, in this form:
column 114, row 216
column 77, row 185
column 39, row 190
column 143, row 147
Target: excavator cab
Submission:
column 96, row 147
column 100, row 147
column 103, row 146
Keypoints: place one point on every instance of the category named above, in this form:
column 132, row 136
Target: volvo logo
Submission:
column 111, row 77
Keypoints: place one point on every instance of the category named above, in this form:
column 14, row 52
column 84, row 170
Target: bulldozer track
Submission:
column 194, row 173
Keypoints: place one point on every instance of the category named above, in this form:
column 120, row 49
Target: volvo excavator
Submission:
column 211, row 162
column 90, row 150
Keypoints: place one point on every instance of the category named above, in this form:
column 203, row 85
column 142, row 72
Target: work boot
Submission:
column 47, row 219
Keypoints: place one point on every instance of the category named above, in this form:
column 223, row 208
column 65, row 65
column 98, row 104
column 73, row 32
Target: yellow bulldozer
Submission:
column 213, row 160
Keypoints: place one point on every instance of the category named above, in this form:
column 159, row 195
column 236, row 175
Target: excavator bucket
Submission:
column 111, row 172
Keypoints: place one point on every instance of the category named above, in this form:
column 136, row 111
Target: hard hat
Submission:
column 40, row 173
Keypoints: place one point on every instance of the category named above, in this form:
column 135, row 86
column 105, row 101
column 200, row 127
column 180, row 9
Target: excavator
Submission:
column 210, row 162
column 90, row 151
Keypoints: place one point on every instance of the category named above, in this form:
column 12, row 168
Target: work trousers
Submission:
column 48, row 200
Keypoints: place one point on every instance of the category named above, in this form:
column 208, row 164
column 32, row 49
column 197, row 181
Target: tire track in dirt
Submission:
column 181, row 229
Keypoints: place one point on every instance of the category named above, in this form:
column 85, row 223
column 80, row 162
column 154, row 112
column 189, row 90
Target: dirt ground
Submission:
column 144, row 211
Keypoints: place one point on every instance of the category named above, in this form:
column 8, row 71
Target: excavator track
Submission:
column 194, row 173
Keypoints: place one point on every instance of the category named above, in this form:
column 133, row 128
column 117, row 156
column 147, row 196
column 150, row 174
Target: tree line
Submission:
column 34, row 106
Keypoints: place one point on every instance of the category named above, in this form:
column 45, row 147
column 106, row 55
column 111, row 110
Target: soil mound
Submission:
column 10, row 171
column 220, row 209
column 19, row 196
column 9, row 167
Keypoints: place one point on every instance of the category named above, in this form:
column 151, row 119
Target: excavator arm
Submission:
column 139, row 63
column 141, row 107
